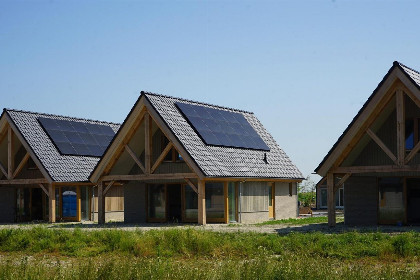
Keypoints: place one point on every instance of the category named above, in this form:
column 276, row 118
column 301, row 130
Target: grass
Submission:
column 42, row 253
column 300, row 221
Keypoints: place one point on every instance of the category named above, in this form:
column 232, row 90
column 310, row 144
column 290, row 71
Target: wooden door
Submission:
column 271, row 201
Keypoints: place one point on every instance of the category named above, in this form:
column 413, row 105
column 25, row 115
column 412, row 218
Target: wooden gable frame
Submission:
column 395, row 84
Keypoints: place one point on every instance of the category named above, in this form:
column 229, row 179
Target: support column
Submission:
column 201, row 202
column 51, row 203
column 331, row 199
column 400, row 127
column 101, row 203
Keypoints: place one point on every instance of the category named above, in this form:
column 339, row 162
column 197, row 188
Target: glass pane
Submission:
column 214, row 200
column 191, row 204
column 270, row 196
column 156, row 201
column 341, row 197
column 84, row 200
column 323, row 197
column 69, row 202
column 391, row 201
column 409, row 134
column 232, row 202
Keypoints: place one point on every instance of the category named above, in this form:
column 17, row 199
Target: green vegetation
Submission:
column 300, row 221
column 41, row 253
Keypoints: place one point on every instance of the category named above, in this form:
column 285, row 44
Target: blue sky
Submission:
column 303, row 67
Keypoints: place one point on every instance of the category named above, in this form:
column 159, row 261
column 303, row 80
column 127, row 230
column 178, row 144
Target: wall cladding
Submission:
column 135, row 202
column 361, row 201
column 285, row 205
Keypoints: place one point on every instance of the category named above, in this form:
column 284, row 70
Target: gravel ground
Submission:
column 272, row 229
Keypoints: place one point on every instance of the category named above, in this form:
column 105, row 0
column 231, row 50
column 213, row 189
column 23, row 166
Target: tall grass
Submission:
column 42, row 253
column 192, row 243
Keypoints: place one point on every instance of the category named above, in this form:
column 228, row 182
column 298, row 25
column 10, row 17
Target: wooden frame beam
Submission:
column 342, row 181
column 24, row 181
column 101, row 203
column 161, row 157
column 400, row 127
column 51, row 203
column 331, row 199
column 3, row 170
column 191, row 184
column 382, row 145
column 146, row 177
column 135, row 158
column 147, row 142
column 380, row 168
column 202, row 203
column 21, row 165
column 10, row 155
column 44, row 189
column 108, row 187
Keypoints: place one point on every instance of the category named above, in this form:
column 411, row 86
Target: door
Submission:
column 174, row 203
column 413, row 201
column 271, row 201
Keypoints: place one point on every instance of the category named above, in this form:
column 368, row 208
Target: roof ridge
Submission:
column 405, row 66
column 55, row 115
column 196, row 102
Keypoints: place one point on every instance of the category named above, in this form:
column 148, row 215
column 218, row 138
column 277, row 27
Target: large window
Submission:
column 215, row 201
column 191, row 204
column 391, row 200
column 255, row 197
column 339, row 198
column 156, row 202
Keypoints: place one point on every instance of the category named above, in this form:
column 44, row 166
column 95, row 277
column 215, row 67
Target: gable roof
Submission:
column 412, row 75
column 60, row 168
column 215, row 161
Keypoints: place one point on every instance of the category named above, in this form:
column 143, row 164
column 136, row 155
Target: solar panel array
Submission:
column 222, row 128
column 78, row 138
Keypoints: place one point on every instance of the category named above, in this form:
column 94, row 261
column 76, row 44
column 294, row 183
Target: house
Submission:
column 45, row 161
column 321, row 195
column 181, row 160
column 377, row 156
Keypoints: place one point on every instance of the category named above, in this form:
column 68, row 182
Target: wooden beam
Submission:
column 101, row 203
column 135, row 158
column 10, row 153
column 342, row 181
column 191, row 185
column 161, row 157
column 3, row 170
column 24, row 181
column 379, row 101
column 119, row 145
column 44, row 189
column 331, row 199
column 108, row 187
column 145, row 177
column 21, row 165
column 400, row 127
column 51, row 203
column 147, row 142
column 380, row 168
column 202, row 203
column 382, row 145
column 412, row 153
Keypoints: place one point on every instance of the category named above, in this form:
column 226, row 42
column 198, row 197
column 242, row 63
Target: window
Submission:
column 290, row 189
column 409, row 134
column 339, row 198
column 172, row 155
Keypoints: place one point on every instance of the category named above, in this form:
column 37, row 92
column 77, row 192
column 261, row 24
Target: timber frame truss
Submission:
column 401, row 160
column 149, row 167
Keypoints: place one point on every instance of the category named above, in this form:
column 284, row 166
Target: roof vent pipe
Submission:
column 265, row 158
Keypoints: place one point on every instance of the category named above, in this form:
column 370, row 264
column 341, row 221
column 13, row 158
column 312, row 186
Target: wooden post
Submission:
column 51, row 203
column 400, row 127
column 101, row 203
column 78, row 204
column 201, row 202
column 331, row 199
column 147, row 143
column 10, row 155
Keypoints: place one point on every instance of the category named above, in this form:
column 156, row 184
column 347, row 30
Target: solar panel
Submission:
column 221, row 128
column 78, row 138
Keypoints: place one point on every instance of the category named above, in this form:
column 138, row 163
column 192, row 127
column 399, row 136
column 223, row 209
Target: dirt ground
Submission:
column 270, row 229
